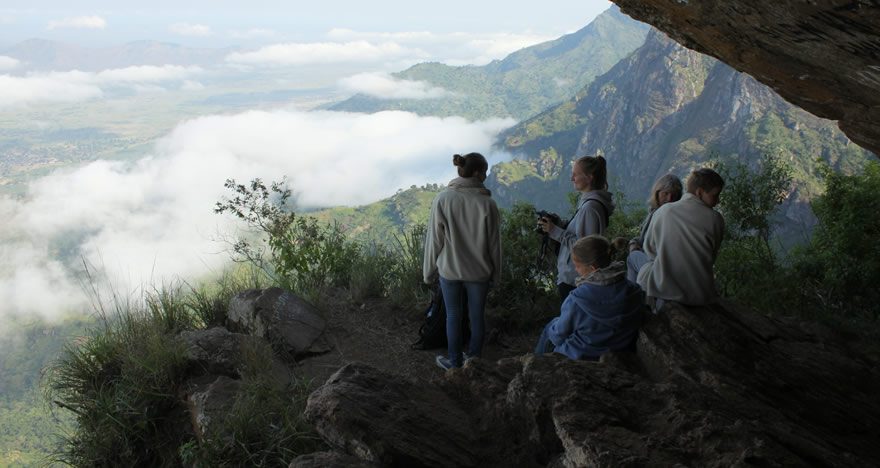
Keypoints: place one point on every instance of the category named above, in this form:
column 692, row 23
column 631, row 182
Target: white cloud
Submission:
column 8, row 63
column 152, row 220
column 74, row 86
column 384, row 86
column 189, row 85
column 452, row 48
column 253, row 33
column 322, row 53
column 186, row 29
column 78, row 22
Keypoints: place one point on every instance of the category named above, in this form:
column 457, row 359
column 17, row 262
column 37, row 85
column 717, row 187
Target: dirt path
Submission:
column 380, row 335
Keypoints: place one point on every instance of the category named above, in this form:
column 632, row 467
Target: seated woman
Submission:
column 602, row 314
column 666, row 189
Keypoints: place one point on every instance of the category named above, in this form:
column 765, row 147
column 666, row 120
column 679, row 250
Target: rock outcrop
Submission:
column 287, row 321
column 822, row 56
column 708, row 387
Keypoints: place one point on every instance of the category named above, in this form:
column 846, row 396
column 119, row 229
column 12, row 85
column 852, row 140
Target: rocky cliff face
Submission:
column 669, row 109
column 822, row 56
column 708, row 387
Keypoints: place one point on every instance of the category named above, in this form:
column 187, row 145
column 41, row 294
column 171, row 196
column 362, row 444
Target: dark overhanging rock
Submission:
column 823, row 56
column 713, row 386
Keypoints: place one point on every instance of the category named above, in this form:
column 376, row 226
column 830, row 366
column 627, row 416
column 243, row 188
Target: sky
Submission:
column 229, row 23
column 150, row 221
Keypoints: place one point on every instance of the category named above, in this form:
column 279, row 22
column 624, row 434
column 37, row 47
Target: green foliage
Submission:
column 265, row 426
column 747, row 266
column 843, row 258
column 750, row 198
column 304, row 256
column 122, row 385
column 310, row 258
column 526, row 296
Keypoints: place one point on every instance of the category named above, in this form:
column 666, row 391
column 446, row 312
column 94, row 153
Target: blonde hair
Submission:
column 668, row 183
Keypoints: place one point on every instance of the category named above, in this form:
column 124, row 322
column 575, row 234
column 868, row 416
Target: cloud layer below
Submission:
column 383, row 85
column 152, row 220
column 74, row 86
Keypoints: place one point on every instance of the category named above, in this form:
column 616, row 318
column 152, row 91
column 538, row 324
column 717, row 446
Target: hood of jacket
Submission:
column 468, row 185
column 601, row 196
column 614, row 303
column 611, row 274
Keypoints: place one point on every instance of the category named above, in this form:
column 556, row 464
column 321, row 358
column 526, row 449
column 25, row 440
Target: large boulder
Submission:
column 287, row 321
column 712, row 386
column 217, row 351
column 209, row 403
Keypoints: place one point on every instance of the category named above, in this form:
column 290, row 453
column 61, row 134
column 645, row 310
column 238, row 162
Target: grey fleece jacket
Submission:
column 682, row 244
column 589, row 219
column 463, row 241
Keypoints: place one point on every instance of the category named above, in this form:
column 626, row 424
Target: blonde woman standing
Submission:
column 589, row 176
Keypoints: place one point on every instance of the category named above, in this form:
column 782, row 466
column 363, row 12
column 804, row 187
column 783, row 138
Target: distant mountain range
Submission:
column 45, row 55
column 525, row 82
column 662, row 108
column 668, row 109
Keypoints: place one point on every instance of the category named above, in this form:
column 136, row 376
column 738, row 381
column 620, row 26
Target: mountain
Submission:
column 523, row 83
column 45, row 55
column 668, row 109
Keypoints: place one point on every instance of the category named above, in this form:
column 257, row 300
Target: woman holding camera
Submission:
column 589, row 176
column 463, row 249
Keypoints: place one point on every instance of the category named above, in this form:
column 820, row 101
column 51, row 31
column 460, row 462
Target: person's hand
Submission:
column 545, row 224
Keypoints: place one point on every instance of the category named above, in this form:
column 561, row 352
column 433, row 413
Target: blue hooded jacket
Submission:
column 602, row 314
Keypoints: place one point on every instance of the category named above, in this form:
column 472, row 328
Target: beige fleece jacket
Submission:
column 682, row 243
column 463, row 241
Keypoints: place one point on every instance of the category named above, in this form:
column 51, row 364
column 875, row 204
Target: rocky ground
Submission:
column 716, row 386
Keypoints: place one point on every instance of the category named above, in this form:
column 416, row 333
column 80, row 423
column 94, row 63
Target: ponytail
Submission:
column 597, row 167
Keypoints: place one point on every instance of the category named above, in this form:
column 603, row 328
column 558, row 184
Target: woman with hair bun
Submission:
column 463, row 250
column 589, row 176
column 602, row 314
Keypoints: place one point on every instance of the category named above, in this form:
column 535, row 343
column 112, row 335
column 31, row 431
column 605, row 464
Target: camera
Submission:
column 553, row 217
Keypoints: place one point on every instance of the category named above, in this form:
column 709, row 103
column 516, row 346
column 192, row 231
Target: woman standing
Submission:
column 666, row 189
column 463, row 249
column 589, row 177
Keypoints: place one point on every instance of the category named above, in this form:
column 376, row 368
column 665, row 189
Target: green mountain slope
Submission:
column 383, row 220
column 524, row 82
column 669, row 109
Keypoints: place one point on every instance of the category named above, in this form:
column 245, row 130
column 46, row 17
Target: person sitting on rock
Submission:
column 666, row 189
column 602, row 313
column 682, row 244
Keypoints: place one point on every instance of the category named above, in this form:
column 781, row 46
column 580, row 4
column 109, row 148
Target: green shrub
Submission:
column 843, row 259
column 121, row 385
column 303, row 256
column 406, row 286
column 747, row 267
column 265, row 426
column 526, row 296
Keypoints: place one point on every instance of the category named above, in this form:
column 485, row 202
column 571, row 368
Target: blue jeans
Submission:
column 476, row 302
column 634, row 262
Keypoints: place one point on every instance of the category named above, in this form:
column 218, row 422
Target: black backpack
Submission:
column 432, row 333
